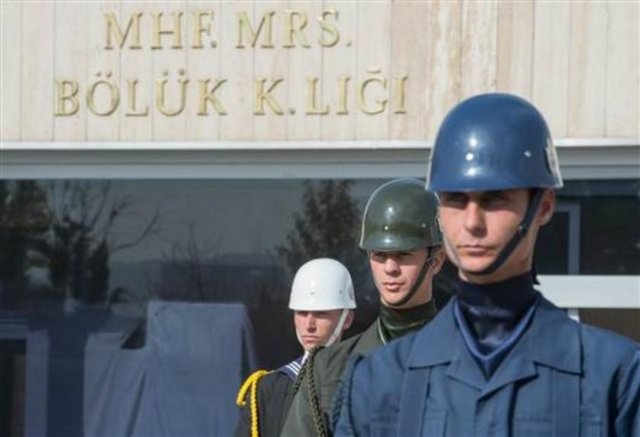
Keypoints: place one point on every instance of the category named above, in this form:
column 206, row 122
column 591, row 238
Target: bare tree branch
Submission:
column 149, row 229
column 102, row 198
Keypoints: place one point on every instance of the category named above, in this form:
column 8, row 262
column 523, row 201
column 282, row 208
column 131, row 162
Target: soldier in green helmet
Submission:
column 404, row 245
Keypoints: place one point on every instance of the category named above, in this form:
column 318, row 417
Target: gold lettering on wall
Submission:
column 292, row 28
column 380, row 104
column 113, row 30
column 107, row 86
column 175, row 30
column 161, row 94
column 263, row 97
column 266, row 23
column 295, row 21
column 131, row 98
column 400, row 94
column 330, row 32
column 208, row 96
column 103, row 96
column 312, row 103
column 167, row 96
column 199, row 28
column 66, row 92
column 343, row 83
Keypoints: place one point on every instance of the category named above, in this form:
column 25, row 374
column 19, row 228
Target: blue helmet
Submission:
column 493, row 142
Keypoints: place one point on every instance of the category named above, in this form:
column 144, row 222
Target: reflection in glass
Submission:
column 80, row 260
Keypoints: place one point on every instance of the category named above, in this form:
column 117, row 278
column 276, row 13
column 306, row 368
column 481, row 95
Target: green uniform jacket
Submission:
column 273, row 391
column 328, row 367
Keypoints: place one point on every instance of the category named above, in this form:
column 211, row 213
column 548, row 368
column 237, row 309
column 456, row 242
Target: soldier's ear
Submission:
column 438, row 256
column 547, row 207
column 349, row 320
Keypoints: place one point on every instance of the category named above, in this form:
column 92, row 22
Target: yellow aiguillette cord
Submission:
column 251, row 384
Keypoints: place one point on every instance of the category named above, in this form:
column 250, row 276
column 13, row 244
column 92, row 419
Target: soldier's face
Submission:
column 315, row 327
column 395, row 273
column 478, row 225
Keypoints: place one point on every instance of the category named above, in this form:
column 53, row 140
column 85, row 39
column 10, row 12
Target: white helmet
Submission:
column 322, row 284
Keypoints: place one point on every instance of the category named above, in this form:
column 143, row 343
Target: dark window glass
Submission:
column 80, row 260
column 552, row 247
column 595, row 230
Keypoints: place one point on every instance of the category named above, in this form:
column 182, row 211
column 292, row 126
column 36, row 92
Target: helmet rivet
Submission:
column 469, row 156
column 527, row 153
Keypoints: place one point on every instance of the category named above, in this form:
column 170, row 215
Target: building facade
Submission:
column 166, row 166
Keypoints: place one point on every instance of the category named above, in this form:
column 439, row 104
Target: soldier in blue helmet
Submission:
column 499, row 359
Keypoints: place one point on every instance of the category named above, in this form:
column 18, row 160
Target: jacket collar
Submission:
column 292, row 369
column 369, row 340
column 553, row 340
column 438, row 342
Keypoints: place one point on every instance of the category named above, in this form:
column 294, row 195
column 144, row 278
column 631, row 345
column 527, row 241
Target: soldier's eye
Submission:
column 453, row 200
column 378, row 255
column 494, row 199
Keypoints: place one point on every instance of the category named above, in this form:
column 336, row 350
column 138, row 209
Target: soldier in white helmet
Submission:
column 322, row 300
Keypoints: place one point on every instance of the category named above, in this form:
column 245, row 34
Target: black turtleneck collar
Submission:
column 509, row 298
column 494, row 316
column 492, row 312
column 395, row 323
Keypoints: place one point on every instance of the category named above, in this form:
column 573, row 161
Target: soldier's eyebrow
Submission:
column 492, row 195
column 453, row 194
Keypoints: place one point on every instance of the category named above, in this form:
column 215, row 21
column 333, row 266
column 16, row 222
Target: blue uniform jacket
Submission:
column 561, row 378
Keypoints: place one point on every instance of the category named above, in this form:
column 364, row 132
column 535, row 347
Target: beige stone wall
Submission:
column 316, row 70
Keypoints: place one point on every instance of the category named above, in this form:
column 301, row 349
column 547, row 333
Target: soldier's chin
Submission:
column 393, row 300
column 310, row 345
column 475, row 267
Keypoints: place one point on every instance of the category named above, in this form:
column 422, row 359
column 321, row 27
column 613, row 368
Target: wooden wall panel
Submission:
column 137, row 65
column 10, row 70
column 622, row 89
column 36, row 115
column 577, row 61
column 302, row 63
column 103, row 65
column 515, row 47
column 551, row 51
column 170, row 64
column 443, row 32
column 237, row 67
column 479, row 47
column 71, row 64
column 205, row 70
column 408, row 58
column 340, row 61
column 374, row 48
column 588, row 64
column 272, row 64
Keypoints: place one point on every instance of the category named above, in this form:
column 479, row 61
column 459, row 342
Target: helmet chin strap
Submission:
column 337, row 331
column 520, row 233
column 299, row 337
column 416, row 285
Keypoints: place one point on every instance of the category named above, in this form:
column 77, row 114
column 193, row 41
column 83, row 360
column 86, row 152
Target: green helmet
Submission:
column 400, row 216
